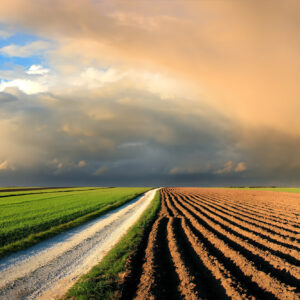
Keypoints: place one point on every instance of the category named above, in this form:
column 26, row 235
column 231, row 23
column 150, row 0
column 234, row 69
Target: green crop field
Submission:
column 5, row 192
column 34, row 215
column 274, row 189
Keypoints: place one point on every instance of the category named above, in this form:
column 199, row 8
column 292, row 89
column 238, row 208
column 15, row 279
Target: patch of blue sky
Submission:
column 10, row 63
column 20, row 39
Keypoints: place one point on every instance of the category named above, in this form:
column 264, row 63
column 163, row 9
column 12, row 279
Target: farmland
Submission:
column 27, row 217
column 273, row 189
column 103, row 281
column 219, row 244
column 8, row 192
column 190, row 243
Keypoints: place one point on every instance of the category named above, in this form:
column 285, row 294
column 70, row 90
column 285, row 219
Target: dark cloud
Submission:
column 7, row 98
column 240, row 59
column 100, row 139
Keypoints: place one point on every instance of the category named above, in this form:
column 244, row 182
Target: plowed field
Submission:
column 221, row 243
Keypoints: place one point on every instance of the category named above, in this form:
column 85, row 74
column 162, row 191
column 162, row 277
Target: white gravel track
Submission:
column 48, row 269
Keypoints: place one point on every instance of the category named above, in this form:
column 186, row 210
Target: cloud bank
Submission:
column 193, row 92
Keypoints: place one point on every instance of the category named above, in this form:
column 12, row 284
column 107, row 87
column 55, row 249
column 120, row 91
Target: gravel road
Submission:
column 48, row 269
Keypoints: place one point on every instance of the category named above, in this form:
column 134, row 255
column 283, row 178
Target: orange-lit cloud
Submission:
column 232, row 66
column 243, row 56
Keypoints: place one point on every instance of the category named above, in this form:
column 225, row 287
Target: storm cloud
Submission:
column 188, row 93
column 101, row 137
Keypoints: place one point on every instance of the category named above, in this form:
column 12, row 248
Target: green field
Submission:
column 5, row 192
column 29, row 217
column 274, row 189
column 103, row 281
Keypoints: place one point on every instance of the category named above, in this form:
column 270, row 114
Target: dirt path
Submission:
column 48, row 269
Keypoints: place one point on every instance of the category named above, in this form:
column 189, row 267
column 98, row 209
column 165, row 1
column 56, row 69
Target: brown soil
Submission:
column 220, row 244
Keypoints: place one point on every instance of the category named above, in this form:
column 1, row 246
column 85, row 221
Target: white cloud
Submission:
column 25, row 85
column 37, row 70
column 37, row 78
column 31, row 49
column 156, row 83
column 34, row 79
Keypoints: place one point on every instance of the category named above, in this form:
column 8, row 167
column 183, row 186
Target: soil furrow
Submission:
column 253, row 209
column 231, row 285
column 212, row 273
column 248, row 267
column 265, row 261
column 159, row 279
column 216, row 249
column 249, row 216
column 254, row 233
column 188, row 281
column 270, row 211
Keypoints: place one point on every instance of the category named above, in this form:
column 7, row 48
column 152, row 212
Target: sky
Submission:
column 149, row 93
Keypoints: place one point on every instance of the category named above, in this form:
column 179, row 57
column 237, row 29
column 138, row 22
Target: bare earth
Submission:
column 223, row 244
column 49, row 269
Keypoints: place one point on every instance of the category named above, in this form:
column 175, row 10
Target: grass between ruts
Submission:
column 104, row 280
column 27, row 220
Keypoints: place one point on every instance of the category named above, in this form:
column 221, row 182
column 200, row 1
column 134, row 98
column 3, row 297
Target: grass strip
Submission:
column 104, row 280
column 5, row 193
column 35, row 238
column 271, row 189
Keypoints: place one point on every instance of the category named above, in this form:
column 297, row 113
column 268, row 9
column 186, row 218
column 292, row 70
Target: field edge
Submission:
column 106, row 280
column 35, row 238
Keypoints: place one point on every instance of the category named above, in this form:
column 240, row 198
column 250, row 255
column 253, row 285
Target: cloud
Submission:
column 195, row 169
column 101, row 170
column 37, row 70
column 241, row 167
column 4, row 34
column 181, row 170
column 65, row 165
column 54, row 138
column 227, row 168
column 51, row 137
column 8, row 97
column 25, row 85
column 4, row 165
column 81, row 163
column 31, row 49
column 154, row 92
column 233, row 52
column 35, row 79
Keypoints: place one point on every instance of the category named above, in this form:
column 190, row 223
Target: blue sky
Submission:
column 20, row 39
